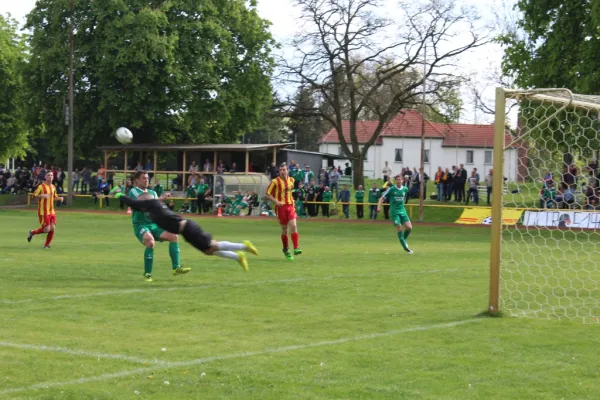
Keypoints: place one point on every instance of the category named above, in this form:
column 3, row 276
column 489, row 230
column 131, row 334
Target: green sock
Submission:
column 148, row 260
column 402, row 241
column 406, row 233
column 174, row 254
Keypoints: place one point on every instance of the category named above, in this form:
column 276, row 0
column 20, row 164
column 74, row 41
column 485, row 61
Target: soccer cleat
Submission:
column 30, row 236
column 409, row 251
column 289, row 256
column 147, row 278
column 243, row 260
column 180, row 270
column 46, row 247
column 250, row 247
column 297, row 252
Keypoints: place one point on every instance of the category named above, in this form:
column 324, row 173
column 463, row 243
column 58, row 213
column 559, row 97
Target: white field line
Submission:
column 205, row 360
column 81, row 353
column 235, row 284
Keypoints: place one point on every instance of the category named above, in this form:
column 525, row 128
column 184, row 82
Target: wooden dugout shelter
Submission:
column 269, row 151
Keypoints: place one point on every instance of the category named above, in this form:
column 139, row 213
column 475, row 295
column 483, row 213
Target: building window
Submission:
column 398, row 157
column 366, row 156
column 469, row 157
column 426, row 157
column 488, row 157
column 340, row 151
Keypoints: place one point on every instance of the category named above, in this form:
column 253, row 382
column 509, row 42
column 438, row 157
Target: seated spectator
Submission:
column 592, row 196
column 548, row 195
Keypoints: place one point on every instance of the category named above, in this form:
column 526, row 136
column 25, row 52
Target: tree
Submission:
column 13, row 132
column 555, row 44
column 306, row 125
column 358, row 62
column 176, row 71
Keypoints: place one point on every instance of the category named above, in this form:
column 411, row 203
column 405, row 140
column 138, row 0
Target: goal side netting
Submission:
column 545, row 263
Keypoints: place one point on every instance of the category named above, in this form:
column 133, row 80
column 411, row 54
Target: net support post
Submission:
column 497, row 202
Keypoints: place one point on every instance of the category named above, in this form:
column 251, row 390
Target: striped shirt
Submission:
column 46, row 206
column 281, row 190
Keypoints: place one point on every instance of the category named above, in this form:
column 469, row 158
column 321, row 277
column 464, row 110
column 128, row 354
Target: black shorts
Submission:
column 194, row 235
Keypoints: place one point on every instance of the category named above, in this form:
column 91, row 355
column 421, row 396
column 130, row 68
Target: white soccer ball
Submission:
column 124, row 135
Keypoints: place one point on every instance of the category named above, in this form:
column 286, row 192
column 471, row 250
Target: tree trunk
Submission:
column 358, row 172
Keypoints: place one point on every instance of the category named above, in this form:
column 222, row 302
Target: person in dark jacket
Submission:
column 345, row 199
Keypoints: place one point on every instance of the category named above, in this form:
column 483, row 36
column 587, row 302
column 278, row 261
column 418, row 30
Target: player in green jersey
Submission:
column 147, row 232
column 397, row 196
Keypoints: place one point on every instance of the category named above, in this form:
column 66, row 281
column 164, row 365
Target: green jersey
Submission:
column 201, row 188
column 327, row 197
column 190, row 192
column 359, row 196
column 374, row 195
column 159, row 189
column 139, row 217
column 397, row 197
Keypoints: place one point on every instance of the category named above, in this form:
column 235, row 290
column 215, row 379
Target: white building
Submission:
column 445, row 145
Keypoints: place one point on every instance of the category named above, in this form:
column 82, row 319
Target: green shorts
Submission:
column 400, row 218
column 140, row 230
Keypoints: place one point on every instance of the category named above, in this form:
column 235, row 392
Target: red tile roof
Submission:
column 469, row 135
column 408, row 123
column 364, row 131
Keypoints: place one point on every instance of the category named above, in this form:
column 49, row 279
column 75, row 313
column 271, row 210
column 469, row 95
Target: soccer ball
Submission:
column 124, row 135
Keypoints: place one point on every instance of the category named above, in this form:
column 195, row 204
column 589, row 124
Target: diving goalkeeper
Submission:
column 191, row 231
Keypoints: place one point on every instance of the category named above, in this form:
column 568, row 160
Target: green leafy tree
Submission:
column 13, row 132
column 176, row 71
column 555, row 43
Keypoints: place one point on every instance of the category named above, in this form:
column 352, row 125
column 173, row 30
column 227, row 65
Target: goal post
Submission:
column 545, row 261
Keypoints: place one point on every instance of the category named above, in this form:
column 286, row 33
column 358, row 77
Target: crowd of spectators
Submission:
column 571, row 187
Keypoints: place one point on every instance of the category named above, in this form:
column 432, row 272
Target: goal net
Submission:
column 547, row 264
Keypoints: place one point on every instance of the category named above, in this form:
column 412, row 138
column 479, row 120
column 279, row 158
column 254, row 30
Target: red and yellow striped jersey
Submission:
column 281, row 189
column 46, row 206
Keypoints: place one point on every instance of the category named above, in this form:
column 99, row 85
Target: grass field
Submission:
column 352, row 318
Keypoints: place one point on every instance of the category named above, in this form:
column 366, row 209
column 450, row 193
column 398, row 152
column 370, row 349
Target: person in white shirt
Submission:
column 387, row 172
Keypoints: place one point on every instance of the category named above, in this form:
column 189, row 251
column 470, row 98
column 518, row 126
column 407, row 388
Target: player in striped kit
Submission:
column 46, row 195
column 279, row 192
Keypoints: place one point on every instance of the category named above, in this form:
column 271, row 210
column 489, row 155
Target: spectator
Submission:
column 344, row 197
column 110, row 177
column 207, row 168
column 10, row 184
column 158, row 188
column 233, row 168
column 60, row 180
column 221, row 169
column 273, row 171
column 324, row 178
column 311, row 196
column 139, row 167
column 568, row 176
column 86, row 176
column 477, row 175
column 439, row 185
column 460, row 180
column 326, row 197
column 190, row 194
column 387, row 172
column 374, row 195
column 548, row 178
column 592, row 195
column 473, row 183
column 308, row 175
column 489, row 180
column 359, row 197
column 334, row 178
column 299, row 199
column 447, row 183
column 150, row 170
column 348, row 170
column 548, row 195
column 202, row 191
column 193, row 168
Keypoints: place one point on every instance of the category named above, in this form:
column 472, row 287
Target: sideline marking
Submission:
column 121, row 374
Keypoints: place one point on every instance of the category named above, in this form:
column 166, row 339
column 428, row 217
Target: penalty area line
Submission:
column 206, row 360
column 233, row 284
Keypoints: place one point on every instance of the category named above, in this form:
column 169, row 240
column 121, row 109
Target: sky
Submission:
column 284, row 18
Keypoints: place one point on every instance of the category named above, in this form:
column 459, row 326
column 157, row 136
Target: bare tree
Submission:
column 359, row 62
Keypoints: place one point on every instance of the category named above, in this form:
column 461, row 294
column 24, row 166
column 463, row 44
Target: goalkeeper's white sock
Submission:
column 227, row 254
column 231, row 246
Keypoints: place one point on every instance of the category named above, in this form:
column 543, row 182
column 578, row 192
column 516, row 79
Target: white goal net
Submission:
column 550, row 259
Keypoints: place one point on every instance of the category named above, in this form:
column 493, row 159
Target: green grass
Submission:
column 279, row 331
